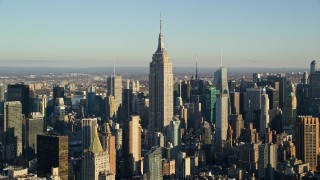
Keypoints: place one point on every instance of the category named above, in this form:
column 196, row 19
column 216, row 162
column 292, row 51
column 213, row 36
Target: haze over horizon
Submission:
column 275, row 34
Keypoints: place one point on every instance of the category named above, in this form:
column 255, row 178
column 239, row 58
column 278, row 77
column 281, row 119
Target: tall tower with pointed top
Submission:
column 160, row 90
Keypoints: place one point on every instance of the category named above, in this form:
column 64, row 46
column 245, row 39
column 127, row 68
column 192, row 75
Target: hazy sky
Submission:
column 251, row 33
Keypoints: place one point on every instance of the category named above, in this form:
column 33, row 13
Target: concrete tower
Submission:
column 160, row 90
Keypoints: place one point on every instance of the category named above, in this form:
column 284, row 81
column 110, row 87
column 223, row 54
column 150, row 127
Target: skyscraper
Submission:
column 88, row 129
column 91, row 94
column 132, row 145
column 160, row 90
column 12, row 131
column 114, row 88
column 34, row 126
column 209, row 103
column 264, row 118
column 220, row 80
column 52, row 152
column 254, row 102
column 95, row 159
column 314, row 91
column 20, row 92
column 307, row 140
column 153, row 163
column 222, row 118
column 58, row 92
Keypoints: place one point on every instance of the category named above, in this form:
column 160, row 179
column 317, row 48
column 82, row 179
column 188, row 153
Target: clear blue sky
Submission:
column 251, row 33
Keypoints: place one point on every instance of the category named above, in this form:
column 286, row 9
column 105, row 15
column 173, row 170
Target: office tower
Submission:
column 20, row 92
column 160, row 90
column 169, row 168
column 267, row 162
column 43, row 105
column 314, row 93
column 58, row 92
column 209, row 103
column 234, row 172
column 153, row 164
column 254, row 102
column 221, row 118
column 184, row 90
column 235, row 102
column 182, row 112
column 183, row 166
column 110, row 105
column 34, row 126
column 91, row 94
column 248, row 156
column 127, row 103
column 290, row 110
column 114, row 88
column 140, row 106
column 174, row 135
column 88, row 127
column 117, row 132
column 59, row 110
column 12, row 134
column 232, row 84
column 94, row 160
column 273, row 95
column 264, row 119
column 302, row 96
column 52, row 151
column 206, row 133
column 286, row 147
column 249, row 135
column 256, row 77
column 132, row 145
column 236, row 122
column 280, row 81
column 2, row 92
column 108, row 142
column 220, row 80
column 307, row 140
column 59, row 116
column 313, row 67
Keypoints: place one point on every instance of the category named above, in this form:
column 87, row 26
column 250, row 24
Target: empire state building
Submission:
column 160, row 90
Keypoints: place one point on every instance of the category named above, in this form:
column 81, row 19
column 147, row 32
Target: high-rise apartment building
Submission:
column 160, row 90
column 132, row 145
column 307, row 140
column 52, row 151
column 264, row 118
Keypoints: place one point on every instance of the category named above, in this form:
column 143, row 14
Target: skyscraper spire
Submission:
column 221, row 58
column 160, row 24
column 160, row 41
column 196, row 65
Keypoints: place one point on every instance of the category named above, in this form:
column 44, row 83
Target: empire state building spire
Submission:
column 160, row 40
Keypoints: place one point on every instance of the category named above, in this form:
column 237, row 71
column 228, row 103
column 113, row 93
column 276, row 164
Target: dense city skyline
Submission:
column 83, row 34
